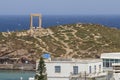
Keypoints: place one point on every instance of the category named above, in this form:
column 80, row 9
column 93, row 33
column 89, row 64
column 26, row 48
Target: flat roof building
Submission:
column 73, row 69
column 109, row 59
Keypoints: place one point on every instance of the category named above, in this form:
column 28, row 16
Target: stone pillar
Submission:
column 40, row 21
column 31, row 21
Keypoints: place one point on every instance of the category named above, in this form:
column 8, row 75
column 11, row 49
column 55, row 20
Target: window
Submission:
column 108, row 62
column 104, row 64
column 90, row 70
column 112, row 60
column 99, row 68
column 116, row 60
column 57, row 69
column 75, row 69
column 95, row 68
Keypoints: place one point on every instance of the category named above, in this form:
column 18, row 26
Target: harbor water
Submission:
column 16, row 74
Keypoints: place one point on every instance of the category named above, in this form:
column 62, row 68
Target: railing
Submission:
column 100, row 74
column 116, row 68
column 92, row 75
column 79, row 74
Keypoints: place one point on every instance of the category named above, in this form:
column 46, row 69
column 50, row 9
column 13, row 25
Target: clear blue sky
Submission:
column 60, row 7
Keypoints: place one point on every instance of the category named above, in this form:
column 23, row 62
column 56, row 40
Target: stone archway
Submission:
column 31, row 20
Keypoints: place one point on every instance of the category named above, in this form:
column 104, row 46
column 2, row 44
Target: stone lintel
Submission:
column 33, row 15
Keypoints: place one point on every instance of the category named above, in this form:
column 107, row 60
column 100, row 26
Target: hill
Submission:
column 72, row 40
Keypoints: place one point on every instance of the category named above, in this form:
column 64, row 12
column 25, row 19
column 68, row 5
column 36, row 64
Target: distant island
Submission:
column 70, row 40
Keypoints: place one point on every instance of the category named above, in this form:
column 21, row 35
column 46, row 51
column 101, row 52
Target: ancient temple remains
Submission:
column 31, row 20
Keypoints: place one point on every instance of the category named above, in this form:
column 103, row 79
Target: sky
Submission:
column 60, row 7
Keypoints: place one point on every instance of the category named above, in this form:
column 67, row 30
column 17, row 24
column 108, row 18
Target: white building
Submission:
column 68, row 69
column 109, row 59
column 116, row 71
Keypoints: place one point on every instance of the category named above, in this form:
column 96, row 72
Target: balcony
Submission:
column 92, row 75
column 100, row 74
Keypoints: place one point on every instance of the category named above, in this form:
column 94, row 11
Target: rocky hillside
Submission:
column 74, row 40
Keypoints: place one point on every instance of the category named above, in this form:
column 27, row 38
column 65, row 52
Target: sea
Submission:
column 22, row 22
column 16, row 74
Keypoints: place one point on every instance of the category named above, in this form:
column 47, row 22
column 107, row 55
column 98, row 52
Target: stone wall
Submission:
column 6, row 66
column 18, row 66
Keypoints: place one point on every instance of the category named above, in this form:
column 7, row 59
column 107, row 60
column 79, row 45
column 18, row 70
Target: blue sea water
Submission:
column 15, row 74
column 21, row 22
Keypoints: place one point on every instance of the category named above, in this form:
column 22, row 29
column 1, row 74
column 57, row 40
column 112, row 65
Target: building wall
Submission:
column 67, row 69
column 109, row 59
column 97, row 64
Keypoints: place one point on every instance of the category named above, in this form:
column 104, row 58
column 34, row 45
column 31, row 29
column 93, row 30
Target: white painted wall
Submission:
column 67, row 68
column 115, row 55
column 97, row 67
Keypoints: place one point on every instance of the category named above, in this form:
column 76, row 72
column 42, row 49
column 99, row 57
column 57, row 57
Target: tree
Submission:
column 41, row 71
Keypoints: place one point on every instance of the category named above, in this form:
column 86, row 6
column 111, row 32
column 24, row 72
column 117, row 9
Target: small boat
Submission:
column 31, row 78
